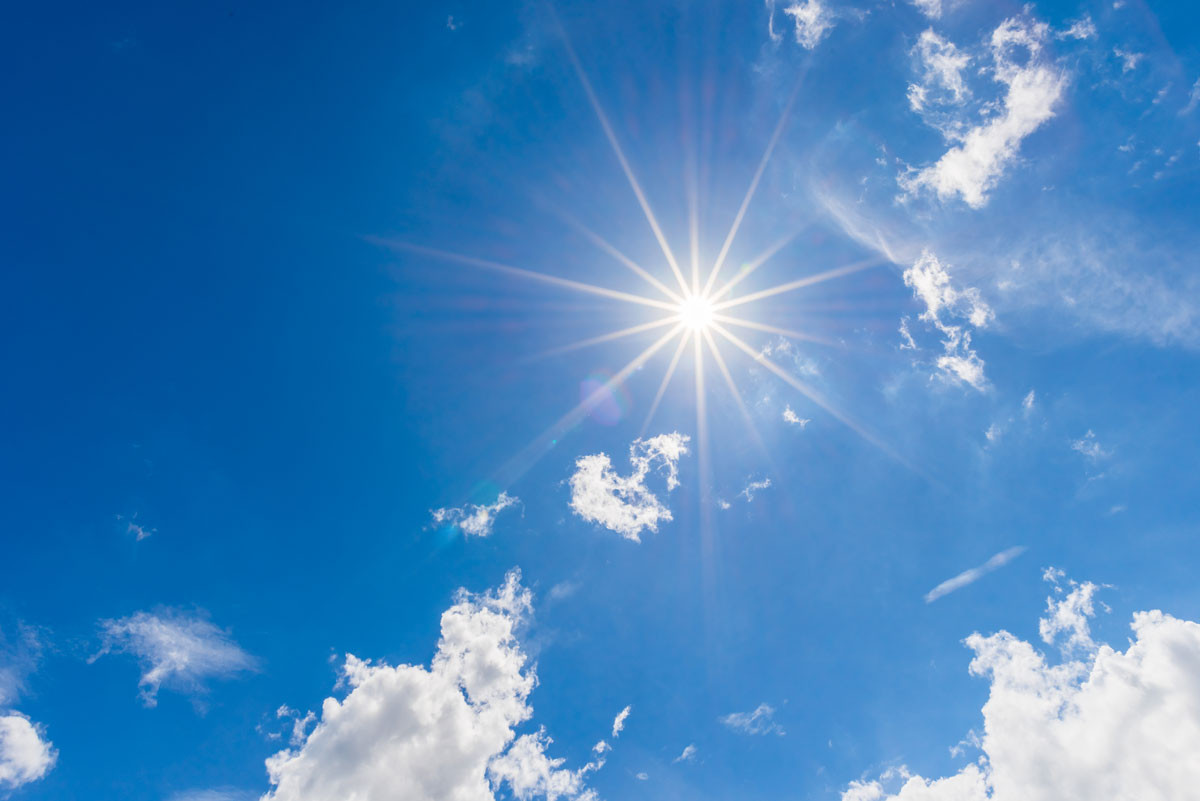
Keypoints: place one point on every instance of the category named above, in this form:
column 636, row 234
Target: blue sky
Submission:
column 313, row 493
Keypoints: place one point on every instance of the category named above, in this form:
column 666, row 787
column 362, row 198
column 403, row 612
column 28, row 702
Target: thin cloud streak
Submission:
column 974, row 574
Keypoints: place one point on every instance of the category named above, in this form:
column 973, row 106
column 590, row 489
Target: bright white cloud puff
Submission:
column 475, row 520
column 25, row 754
column 1033, row 87
column 1119, row 725
column 944, row 302
column 442, row 733
column 625, row 504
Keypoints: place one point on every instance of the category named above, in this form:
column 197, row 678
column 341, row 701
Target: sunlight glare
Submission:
column 696, row 312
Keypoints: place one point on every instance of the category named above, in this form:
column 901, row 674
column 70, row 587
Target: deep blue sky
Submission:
column 204, row 325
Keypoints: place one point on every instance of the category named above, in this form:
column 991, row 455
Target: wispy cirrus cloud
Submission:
column 175, row 649
column 759, row 721
column 973, row 574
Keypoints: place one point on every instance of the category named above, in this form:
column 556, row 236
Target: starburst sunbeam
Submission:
column 611, row 250
column 816, row 397
column 620, row 154
column 496, row 266
column 666, row 379
column 733, row 390
column 790, row 286
column 758, row 173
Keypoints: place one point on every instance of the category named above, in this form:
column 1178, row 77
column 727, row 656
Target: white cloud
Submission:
column 993, row 432
column 974, row 574
column 790, row 416
column 760, row 721
column 1028, row 402
column 931, row 285
column 475, row 519
column 442, row 733
column 175, row 650
column 783, row 347
column 688, row 755
column 771, row 32
column 1082, row 28
column 1068, row 614
column 1033, row 88
column 619, row 721
column 943, row 65
column 18, row 659
column 139, row 531
column 813, row 20
column 1129, row 60
column 1090, row 447
column 25, row 756
column 1109, row 724
column 930, row 8
column 563, row 589
column 753, row 487
column 1193, row 99
column 624, row 504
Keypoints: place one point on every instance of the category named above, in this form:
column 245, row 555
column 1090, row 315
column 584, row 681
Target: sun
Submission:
column 696, row 312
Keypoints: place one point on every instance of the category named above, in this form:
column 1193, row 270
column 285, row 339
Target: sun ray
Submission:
column 517, row 465
column 662, row 387
column 694, row 228
column 620, row 154
column 771, row 329
column 611, row 250
column 753, row 265
column 836, row 272
column 701, row 418
column 758, row 173
column 508, row 269
column 817, row 398
column 609, row 337
column 737, row 396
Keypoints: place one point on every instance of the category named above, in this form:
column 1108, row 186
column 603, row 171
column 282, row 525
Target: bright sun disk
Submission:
column 696, row 312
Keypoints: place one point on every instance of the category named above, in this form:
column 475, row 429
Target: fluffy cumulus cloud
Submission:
column 1033, row 87
column 812, row 19
column 175, row 649
column 1102, row 723
column 25, row 754
column 952, row 311
column 759, row 721
column 625, row 504
column 475, row 520
column 446, row 732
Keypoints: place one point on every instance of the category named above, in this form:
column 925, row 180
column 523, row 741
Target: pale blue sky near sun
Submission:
column 241, row 379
